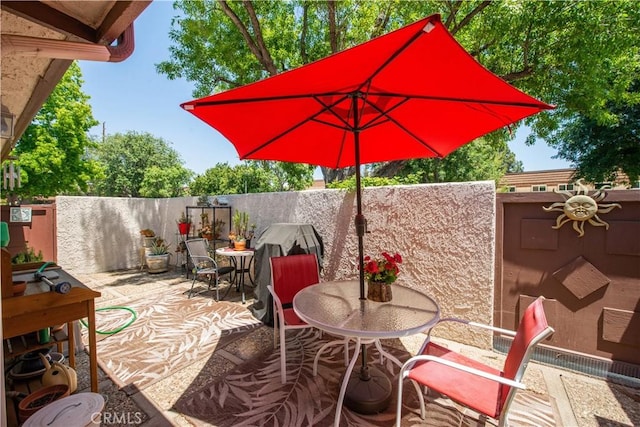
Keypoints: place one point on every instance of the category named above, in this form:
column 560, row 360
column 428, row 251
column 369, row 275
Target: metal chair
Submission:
column 204, row 264
column 471, row 383
column 290, row 274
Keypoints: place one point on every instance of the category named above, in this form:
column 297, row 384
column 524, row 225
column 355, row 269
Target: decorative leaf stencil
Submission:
column 170, row 333
column 252, row 394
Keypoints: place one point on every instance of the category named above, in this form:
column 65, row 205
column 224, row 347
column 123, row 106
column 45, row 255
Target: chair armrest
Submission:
column 475, row 324
column 201, row 258
column 276, row 300
column 409, row 365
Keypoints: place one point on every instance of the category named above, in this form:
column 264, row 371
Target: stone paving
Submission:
column 579, row 400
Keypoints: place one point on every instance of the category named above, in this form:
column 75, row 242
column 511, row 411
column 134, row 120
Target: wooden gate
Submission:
column 592, row 282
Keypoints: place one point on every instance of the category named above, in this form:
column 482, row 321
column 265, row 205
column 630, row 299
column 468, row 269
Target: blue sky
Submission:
column 132, row 96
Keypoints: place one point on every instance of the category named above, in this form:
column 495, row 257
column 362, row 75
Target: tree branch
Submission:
column 479, row 8
column 267, row 63
column 517, row 75
column 266, row 56
column 333, row 33
column 453, row 11
column 390, row 169
column 303, row 33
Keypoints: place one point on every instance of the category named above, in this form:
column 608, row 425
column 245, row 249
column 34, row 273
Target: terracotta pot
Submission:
column 41, row 398
column 240, row 245
column 379, row 291
column 19, row 287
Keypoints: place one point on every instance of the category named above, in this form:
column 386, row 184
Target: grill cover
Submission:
column 280, row 239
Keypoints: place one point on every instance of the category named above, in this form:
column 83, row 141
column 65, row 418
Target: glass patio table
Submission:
column 335, row 307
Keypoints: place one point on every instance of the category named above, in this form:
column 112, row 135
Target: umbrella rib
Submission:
column 297, row 125
column 373, row 123
column 392, row 57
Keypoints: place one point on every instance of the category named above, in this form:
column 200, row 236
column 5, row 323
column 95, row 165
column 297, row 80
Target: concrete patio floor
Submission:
column 579, row 400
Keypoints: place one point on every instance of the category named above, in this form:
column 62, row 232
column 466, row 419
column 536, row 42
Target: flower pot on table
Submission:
column 379, row 291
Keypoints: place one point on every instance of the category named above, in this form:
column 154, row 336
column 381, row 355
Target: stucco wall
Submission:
column 445, row 233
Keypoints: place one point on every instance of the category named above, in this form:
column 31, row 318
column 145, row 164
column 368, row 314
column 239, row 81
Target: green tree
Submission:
column 253, row 177
column 52, row 152
column 600, row 150
column 578, row 55
column 140, row 165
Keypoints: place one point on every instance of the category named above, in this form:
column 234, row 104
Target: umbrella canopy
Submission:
column 412, row 93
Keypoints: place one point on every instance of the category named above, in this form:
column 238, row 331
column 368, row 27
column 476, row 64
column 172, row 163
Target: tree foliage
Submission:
column 253, row 177
column 52, row 151
column 140, row 165
column 601, row 150
column 575, row 54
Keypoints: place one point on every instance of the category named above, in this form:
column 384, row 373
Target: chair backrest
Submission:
column 197, row 247
column 533, row 328
column 291, row 273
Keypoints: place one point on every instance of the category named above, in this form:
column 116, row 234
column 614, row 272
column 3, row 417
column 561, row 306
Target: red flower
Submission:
column 384, row 269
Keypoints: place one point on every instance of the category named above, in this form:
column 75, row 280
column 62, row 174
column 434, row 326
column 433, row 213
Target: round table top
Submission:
column 234, row 252
column 336, row 307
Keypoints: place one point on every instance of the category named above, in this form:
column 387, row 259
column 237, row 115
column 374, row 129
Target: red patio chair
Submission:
column 290, row 274
column 471, row 383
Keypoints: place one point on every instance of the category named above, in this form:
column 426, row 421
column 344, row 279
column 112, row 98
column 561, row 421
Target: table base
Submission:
column 369, row 396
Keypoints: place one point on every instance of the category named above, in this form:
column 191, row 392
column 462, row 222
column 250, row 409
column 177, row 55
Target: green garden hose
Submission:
column 134, row 316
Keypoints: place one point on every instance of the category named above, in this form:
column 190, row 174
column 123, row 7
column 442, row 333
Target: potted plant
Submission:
column 148, row 237
column 240, row 224
column 380, row 274
column 158, row 256
column 184, row 224
column 203, row 201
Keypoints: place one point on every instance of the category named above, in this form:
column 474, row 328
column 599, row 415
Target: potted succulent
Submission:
column 158, row 256
column 240, row 225
column 184, row 224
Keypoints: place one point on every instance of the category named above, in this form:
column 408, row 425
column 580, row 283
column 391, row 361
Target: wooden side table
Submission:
column 35, row 311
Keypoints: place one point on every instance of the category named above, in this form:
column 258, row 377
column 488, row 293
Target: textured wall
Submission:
column 445, row 233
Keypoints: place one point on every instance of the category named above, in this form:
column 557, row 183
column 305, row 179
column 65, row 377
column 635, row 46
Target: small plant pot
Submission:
column 184, row 227
column 41, row 398
column 158, row 263
column 19, row 287
column 379, row 291
column 147, row 242
column 240, row 246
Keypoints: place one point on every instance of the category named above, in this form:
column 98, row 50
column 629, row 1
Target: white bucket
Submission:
column 81, row 409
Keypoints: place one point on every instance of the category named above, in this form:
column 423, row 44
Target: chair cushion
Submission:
column 225, row 270
column 471, row 390
column 291, row 318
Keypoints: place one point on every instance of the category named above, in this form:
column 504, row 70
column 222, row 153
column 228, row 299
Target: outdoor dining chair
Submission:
column 204, row 265
column 471, row 383
column 290, row 274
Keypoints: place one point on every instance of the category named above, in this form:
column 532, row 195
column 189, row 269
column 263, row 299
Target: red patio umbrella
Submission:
column 412, row 93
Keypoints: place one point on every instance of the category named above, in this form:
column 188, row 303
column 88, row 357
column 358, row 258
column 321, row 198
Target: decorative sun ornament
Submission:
column 579, row 207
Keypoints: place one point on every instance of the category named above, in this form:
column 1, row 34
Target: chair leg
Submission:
column 195, row 276
column 399, row 399
column 283, row 357
column 401, row 378
column 217, row 284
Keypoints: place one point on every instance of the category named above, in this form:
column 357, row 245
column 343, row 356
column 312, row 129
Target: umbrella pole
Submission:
column 368, row 391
